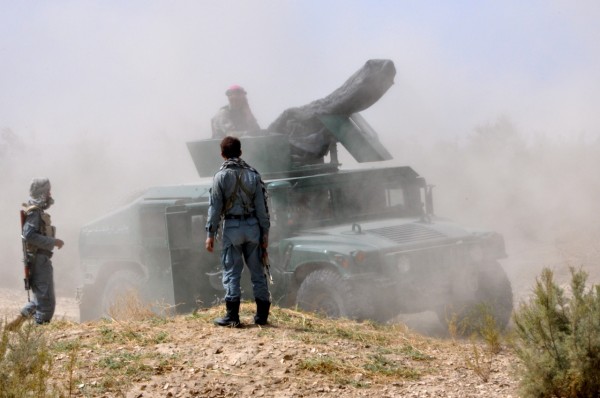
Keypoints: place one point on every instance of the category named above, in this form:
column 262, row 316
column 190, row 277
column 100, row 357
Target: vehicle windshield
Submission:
column 321, row 205
column 372, row 199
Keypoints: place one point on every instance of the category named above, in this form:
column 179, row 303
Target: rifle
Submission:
column 267, row 265
column 26, row 258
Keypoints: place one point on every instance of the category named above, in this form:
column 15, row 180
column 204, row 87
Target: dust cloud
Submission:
column 101, row 98
column 540, row 192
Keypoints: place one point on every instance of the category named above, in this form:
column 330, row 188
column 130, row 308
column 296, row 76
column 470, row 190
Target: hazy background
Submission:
column 495, row 103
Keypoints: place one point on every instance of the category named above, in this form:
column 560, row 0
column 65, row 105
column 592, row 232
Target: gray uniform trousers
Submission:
column 241, row 242
column 42, row 286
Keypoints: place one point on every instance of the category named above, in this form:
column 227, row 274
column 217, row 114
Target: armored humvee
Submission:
column 363, row 244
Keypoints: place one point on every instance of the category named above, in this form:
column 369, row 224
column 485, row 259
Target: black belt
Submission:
column 240, row 216
column 44, row 252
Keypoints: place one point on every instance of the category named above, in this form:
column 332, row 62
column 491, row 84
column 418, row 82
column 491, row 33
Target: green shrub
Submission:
column 558, row 339
column 25, row 363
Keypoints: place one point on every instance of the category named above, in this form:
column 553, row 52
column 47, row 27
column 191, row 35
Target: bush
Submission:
column 558, row 339
column 25, row 363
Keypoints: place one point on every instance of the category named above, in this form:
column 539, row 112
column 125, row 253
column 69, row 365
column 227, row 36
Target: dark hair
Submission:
column 231, row 147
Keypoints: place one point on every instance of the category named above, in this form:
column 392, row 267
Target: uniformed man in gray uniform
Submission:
column 236, row 118
column 239, row 197
column 39, row 236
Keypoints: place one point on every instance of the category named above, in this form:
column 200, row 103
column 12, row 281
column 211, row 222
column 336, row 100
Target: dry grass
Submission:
column 109, row 357
column 129, row 307
column 124, row 351
column 383, row 353
column 485, row 339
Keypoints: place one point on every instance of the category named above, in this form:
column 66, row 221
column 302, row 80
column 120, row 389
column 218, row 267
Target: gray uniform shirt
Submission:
column 250, row 199
column 32, row 231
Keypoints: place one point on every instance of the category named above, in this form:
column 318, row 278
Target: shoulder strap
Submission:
column 238, row 185
column 31, row 209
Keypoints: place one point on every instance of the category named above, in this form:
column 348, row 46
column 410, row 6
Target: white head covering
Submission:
column 39, row 193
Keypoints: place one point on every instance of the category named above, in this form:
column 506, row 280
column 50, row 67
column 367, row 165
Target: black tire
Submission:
column 496, row 291
column 325, row 292
column 493, row 296
column 118, row 284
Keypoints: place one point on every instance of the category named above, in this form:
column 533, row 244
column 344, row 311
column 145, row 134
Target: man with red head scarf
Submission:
column 236, row 118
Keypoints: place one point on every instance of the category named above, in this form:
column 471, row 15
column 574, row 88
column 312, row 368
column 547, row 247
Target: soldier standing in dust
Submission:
column 39, row 236
column 239, row 196
column 235, row 118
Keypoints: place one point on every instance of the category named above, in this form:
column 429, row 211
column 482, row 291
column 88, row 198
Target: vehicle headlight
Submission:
column 341, row 260
column 359, row 256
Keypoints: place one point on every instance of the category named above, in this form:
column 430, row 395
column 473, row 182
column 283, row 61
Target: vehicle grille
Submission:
column 406, row 233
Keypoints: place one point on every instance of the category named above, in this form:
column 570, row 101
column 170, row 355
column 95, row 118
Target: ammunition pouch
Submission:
column 48, row 229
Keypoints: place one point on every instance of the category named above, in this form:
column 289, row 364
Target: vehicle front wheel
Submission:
column 493, row 297
column 325, row 291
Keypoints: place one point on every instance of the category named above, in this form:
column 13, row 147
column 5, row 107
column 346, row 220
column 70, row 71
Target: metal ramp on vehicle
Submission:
column 270, row 153
column 357, row 136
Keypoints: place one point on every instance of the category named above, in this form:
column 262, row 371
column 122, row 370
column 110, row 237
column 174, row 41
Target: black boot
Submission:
column 232, row 318
column 262, row 312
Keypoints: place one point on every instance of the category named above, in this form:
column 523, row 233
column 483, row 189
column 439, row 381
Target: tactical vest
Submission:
column 46, row 227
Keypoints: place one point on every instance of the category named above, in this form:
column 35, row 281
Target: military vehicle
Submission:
column 360, row 243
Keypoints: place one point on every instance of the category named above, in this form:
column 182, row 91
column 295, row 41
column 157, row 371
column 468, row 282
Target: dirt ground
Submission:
column 249, row 362
column 11, row 301
column 198, row 359
column 265, row 362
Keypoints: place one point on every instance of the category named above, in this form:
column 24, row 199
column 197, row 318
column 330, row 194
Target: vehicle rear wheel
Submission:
column 493, row 297
column 324, row 291
column 118, row 286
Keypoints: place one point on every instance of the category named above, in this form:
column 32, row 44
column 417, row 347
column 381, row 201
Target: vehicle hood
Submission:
column 389, row 234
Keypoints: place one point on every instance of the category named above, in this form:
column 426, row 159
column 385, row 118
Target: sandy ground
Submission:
column 11, row 301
